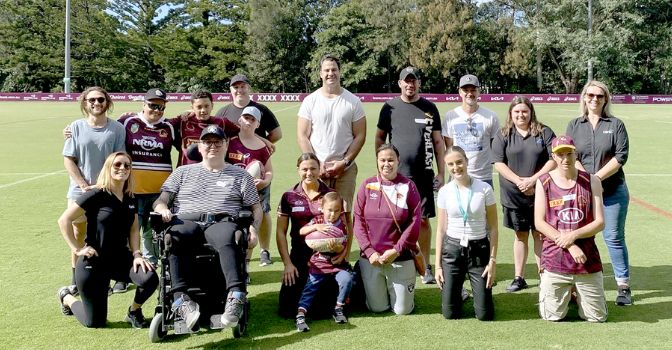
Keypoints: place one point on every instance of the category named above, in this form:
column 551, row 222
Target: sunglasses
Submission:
column 592, row 96
column 119, row 165
column 156, row 107
column 93, row 100
column 218, row 143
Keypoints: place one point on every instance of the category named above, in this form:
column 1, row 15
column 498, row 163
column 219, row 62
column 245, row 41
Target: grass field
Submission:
column 34, row 259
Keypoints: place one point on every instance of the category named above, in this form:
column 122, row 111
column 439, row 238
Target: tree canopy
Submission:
column 185, row 45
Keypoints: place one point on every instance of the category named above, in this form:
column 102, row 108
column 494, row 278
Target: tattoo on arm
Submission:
column 164, row 198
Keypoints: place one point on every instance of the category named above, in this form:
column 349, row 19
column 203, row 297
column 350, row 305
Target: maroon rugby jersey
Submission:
column 567, row 210
column 242, row 156
column 320, row 263
column 189, row 132
column 300, row 209
column 149, row 146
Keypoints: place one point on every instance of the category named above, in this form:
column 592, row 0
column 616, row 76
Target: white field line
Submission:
column 32, row 179
column 286, row 108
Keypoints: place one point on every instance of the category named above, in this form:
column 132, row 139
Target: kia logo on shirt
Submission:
column 570, row 216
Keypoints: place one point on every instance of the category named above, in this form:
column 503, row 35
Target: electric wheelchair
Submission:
column 207, row 279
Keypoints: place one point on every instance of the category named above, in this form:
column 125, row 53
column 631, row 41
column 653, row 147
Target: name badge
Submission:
column 569, row 197
column 464, row 241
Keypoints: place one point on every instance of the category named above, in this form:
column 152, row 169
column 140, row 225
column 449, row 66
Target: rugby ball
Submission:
column 256, row 169
column 320, row 241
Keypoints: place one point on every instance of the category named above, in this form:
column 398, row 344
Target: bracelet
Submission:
column 136, row 252
column 493, row 259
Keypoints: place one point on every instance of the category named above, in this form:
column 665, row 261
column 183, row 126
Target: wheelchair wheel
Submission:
column 239, row 330
column 156, row 331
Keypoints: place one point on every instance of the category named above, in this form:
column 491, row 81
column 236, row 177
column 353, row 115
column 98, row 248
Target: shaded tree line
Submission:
column 184, row 45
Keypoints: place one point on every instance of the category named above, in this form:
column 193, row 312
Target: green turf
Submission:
column 34, row 258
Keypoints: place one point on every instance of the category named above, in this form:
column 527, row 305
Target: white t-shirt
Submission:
column 482, row 196
column 474, row 136
column 331, row 120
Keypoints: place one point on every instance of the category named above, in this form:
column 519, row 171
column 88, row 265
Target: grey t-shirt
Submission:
column 90, row 147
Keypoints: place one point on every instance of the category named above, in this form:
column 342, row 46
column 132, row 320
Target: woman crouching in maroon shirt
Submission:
column 387, row 225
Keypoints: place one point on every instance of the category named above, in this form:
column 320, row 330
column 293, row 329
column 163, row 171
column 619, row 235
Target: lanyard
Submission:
column 464, row 211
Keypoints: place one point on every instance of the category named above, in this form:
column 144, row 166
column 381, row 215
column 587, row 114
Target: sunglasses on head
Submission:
column 156, row 107
column 592, row 96
column 93, row 100
column 119, row 165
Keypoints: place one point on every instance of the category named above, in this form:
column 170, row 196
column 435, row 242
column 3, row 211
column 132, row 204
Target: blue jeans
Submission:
column 615, row 212
column 343, row 278
column 150, row 249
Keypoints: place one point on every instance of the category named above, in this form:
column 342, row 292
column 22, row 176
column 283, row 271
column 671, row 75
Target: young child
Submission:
column 321, row 266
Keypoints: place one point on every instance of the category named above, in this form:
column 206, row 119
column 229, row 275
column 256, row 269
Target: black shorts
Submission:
column 425, row 184
column 521, row 219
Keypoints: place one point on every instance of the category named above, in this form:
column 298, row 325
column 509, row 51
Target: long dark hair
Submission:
column 535, row 125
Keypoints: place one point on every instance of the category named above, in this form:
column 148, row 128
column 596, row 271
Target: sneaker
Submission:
column 265, row 258
column 233, row 309
column 120, row 287
column 62, row 292
column 624, row 297
column 187, row 310
column 464, row 294
column 428, row 278
column 517, row 284
column 301, row 324
column 136, row 318
column 339, row 317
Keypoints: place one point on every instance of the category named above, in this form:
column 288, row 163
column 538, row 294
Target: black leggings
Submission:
column 458, row 261
column 93, row 277
column 188, row 237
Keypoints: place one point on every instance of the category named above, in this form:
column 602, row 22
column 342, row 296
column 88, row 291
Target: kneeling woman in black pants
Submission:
column 112, row 221
column 466, row 239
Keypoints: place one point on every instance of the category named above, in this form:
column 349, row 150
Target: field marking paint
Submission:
column 652, row 208
column 32, row 178
column 286, row 108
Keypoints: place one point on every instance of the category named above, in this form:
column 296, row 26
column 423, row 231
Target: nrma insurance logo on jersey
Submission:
column 570, row 216
column 148, row 143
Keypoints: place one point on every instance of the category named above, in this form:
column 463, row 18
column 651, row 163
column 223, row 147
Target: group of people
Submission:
column 563, row 190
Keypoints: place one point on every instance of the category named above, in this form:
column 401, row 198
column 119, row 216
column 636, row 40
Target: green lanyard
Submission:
column 464, row 211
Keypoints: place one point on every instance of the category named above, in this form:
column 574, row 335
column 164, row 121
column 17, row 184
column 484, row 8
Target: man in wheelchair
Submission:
column 205, row 199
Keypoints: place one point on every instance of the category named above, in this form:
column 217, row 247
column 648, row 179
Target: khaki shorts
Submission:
column 555, row 291
column 345, row 185
column 79, row 220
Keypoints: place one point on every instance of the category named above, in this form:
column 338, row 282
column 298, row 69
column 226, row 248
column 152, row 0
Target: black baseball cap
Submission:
column 213, row 130
column 156, row 94
column 238, row 78
column 409, row 71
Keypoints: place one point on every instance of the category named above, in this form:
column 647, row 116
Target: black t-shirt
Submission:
column 409, row 127
column 268, row 121
column 524, row 156
column 109, row 221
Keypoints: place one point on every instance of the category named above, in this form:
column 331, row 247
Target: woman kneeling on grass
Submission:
column 467, row 213
column 112, row 221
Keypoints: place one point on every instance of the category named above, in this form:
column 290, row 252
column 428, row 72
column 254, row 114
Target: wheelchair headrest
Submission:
column 193, row 154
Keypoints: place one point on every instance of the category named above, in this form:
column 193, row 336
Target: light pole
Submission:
column 66, row 78
column 590, row 40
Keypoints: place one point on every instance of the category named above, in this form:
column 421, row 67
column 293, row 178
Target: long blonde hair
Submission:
column 535, row 125
column 104, row 181
column 606, row 109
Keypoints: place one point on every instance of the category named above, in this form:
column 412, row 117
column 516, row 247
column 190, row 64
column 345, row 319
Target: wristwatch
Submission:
column 347, row 161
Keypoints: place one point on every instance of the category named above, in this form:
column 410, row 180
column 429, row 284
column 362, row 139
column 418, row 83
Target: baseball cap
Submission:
column 409, row 71
column 213, row 130
column 253, row 111
column 238, row 78
column 562, row 142
column 156, row 94
column 469, row 79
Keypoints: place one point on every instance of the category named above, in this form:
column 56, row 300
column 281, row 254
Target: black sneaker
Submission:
column 60, row 294
column 339, row 317
column 428, row 278
column 624, row 297
column 120, row 287
column 301, row 324
column 517, row 284
column 136, row 318
column 233, row 310
column 187, row 310
column 265, row 258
